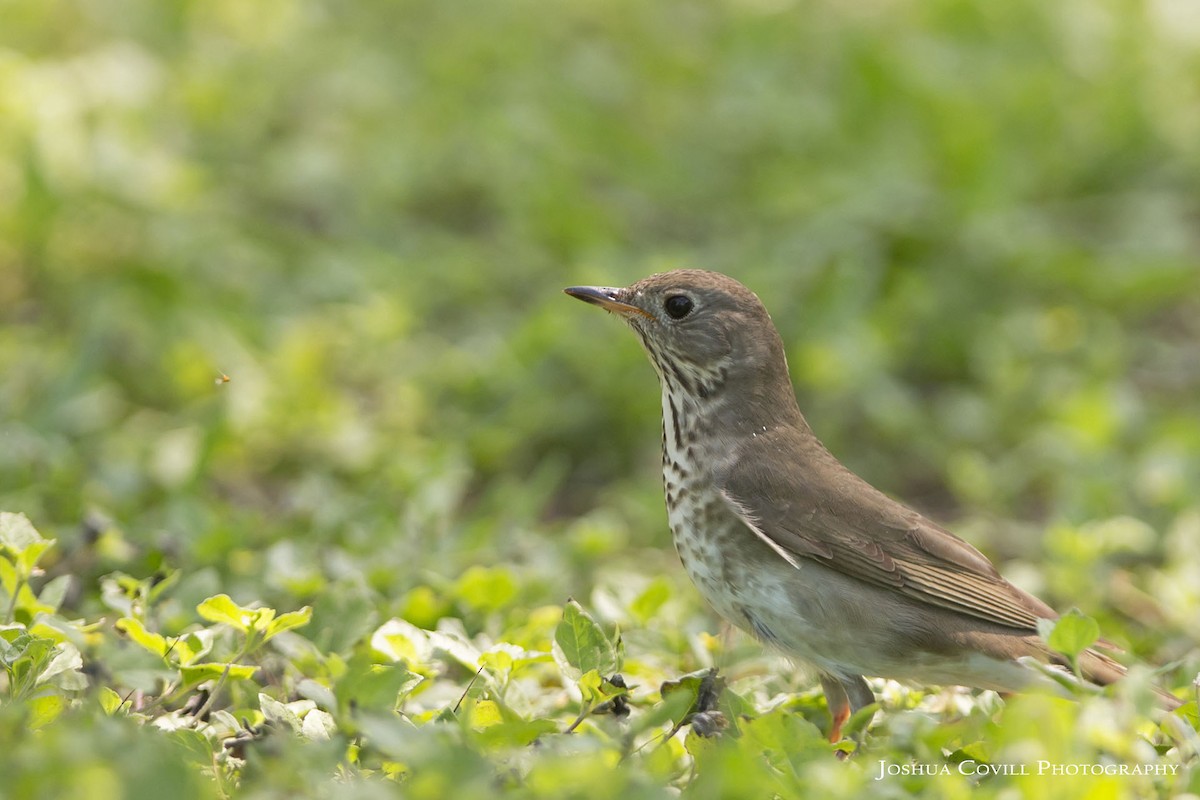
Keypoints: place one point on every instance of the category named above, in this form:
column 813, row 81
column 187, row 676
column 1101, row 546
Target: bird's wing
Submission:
column 819, row 510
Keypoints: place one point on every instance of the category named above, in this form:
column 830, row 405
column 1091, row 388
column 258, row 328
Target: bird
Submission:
column 790, row 545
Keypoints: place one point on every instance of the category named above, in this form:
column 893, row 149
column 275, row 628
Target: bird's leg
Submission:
column 839, row 705
column 845, row 697
column 860, row 694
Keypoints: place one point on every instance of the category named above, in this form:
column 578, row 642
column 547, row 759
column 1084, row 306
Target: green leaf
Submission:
column 1071, row 634
column 320, row 694
column 52, row 594
column 368, row 685
column 8, row 576
column 198, row 673
column 515, row 733
column 197, row 747
column 182, row 650
column 27, row 559
column 17, row 532
column 65, row 668
column 279, row 713
column 110, row 701
column 221, row 608
column 284, row 622
column 21, row 539
column 397, row 640
column 673, row 708
column 192, row 646
column 162, row 583
column 318, row 725
column 581, row 644
column 486, row 588
column 45, row 709
column 484, row 714
column 25, row 658
column 652, row 598
column 133, row 628
column 497, row 661
column 589, row 685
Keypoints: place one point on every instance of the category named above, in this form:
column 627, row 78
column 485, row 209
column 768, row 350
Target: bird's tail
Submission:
column 1100, row 669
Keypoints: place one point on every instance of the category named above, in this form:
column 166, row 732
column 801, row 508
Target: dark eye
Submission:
column 678, row 306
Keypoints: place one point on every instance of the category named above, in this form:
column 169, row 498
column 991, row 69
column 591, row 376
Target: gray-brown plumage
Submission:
column 790, row 545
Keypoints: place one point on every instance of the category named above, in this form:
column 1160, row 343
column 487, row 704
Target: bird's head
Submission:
column 703, row 331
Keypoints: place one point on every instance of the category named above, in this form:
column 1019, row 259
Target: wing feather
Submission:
column 823, row 512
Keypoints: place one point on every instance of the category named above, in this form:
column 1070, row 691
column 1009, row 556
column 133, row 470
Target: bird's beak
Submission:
column 606, row 298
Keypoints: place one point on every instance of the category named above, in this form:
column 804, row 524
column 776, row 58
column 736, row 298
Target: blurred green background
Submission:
column 977, row 227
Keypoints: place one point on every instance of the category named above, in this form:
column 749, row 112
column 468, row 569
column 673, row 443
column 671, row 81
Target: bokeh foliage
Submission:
column 976, row 225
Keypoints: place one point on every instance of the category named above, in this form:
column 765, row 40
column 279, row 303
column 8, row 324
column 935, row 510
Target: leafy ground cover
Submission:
column 303, row 454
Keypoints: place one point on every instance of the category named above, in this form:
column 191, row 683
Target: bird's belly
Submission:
column 811, row 613
column 807, row 612
column 700, row 552
column 740, row 577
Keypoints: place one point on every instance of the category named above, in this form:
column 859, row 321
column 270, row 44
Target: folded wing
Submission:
column 822, row 511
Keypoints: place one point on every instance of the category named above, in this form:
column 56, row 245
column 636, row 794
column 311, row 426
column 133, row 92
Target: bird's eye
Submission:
column 678, row 306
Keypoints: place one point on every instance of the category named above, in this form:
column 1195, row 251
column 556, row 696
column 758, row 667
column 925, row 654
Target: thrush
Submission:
column 790, row 545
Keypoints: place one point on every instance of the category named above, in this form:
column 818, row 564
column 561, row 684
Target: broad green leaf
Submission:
column 515, row 733
column 197, row 746
column 27, row 559
column 589, row 685
column 192, row 646
column 497, row 661
column 318, row 725
column 198, row 673
column 780, row 732
column 486, row 588
column 279, row 713
column 45, row 709
column 27, row 605
column 23, row 542
column 162, row 583
column 673, row 708
column 398, row 640
column 52, row 594
column 133, row 628
column 64, row 668
column 457, row 645
column 503, row 657
column 17, row 532
column 582, row 644
column 652, row 598
column 284, row 622
column 687, row 687
column 1072, row 633
column 110, row 701
column 320, row 694
column 25, row 658
column 8, row 578
column 368, row 685
column 182, row 650
column 485, row 714
column 17, row 644
column 222, row 609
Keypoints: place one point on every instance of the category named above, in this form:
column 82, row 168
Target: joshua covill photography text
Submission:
column 980, row 769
